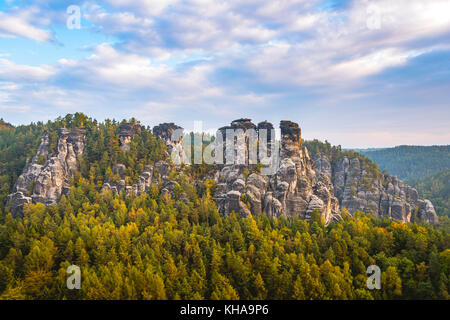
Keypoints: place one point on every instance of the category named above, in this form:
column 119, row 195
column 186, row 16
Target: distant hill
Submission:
column 425, row 168
column 411, row 162
column 435, row 188
column 362, row 150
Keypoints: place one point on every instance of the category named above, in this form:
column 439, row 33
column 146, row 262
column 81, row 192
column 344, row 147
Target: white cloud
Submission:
column 11, row 71
column 386, row 138
column 19, row 23
column 282, row 41
column 119, row 22
column 208, row 57
column 343, row 49
column 145, row 7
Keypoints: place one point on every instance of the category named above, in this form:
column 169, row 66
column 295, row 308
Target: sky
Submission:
column 356, row 73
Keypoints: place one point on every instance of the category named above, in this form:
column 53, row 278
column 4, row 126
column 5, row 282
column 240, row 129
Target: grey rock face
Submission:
column 46, row 182
column 322, row 164
column 33, row 169
column 163, row 169
column 294, row 190
column 17, row 200
column 172, row 135
column 426, row 211
column 383, row 195
column 238, row 135
column 126, row 134
column 298, row 187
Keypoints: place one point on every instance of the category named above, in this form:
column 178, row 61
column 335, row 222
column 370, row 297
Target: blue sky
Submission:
column 357, row 73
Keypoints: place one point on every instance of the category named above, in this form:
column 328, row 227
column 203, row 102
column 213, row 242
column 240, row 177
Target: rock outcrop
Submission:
column 241, row 133
column 295, row 189
column 426, row 211
column 46, row 178
column 297, row 186
column 126, row 134
column 358, row 188
column 172, row 135
column 119, row 185
column 157, row 175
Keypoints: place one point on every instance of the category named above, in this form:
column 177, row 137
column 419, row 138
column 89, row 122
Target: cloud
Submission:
column 289, row 42
column 20, row 23
column 341, row 49
column 207, row 59
column 122, row 23
column 10, row 71
column 145, row 7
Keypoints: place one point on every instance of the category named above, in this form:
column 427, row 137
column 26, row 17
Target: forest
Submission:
column 165, row 246
column 425, row 168
column 411, row 162
column 435, row 187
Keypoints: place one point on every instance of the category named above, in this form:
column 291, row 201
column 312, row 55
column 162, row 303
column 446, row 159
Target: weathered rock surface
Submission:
column 297, row 187
column 294, row 190
column 172, row 135
column 117, row 186
column 157, row 175
column 357, row 188
column 126, row 134
column 426, row 211
column 46, row 182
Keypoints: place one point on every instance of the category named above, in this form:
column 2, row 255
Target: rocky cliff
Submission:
column 298, row 185
column 45, row 178
column 295, row 189
column 158, row 174
column 126, row 134
column 172, row 135
column 358, row 188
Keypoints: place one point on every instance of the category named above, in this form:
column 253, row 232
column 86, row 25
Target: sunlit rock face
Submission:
column 172, row 135
column 293, row 190
column 383, row 195
column 44, row 179
column 126, row 134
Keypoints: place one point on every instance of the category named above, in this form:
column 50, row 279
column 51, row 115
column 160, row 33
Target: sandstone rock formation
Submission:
column 126, row 134
column 157, row 175
column 117, row 186
column 45, row 178
column 294, row 190
column 297, row 186
column 172, row 135
column 357, row 188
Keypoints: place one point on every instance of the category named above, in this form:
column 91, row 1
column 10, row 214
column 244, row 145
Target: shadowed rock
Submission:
column 384, row 195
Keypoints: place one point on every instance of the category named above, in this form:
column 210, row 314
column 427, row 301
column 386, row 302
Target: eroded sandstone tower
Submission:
column 293, row 190
column 46, row 178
